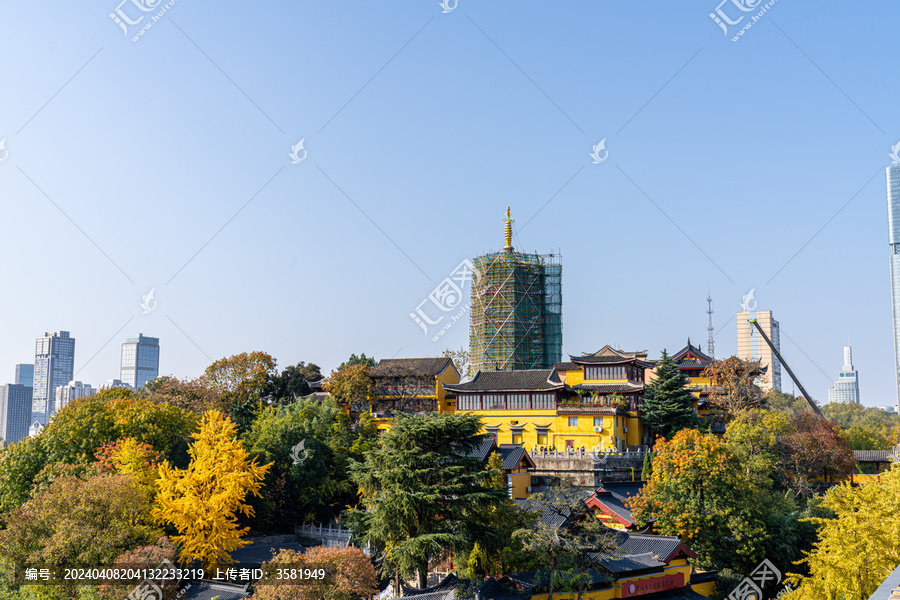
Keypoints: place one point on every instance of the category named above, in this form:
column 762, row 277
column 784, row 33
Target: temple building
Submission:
column 592, row 401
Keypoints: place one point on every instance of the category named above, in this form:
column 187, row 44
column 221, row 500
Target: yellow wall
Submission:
column 520, row 483
column 582, row 434
column 448, row 377
column 707, row 588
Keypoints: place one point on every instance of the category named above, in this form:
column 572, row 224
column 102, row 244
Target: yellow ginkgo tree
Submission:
column 859, row 547
column 203, row 501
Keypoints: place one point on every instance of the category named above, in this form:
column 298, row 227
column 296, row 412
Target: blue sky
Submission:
column 164, row 164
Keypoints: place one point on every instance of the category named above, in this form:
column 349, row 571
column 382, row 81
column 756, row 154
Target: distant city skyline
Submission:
column 687, row 164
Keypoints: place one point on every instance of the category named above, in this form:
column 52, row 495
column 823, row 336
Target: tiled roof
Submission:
column 609, row 355
column 663, row 546
column 483, row 450
column 685, row 593
column 614, row 502
column 315, row 385
column 565, row 366
column 882, row 456
column 538, row 579
column 609, row 388
column 433, row 366
column 630, row 563
column 691, row 349
column 524, row 380
column 512, row 454
column 256, row 554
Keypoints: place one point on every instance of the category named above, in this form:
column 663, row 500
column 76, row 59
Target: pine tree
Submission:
column 647, row 468
column 423, row 490
column 667, row 402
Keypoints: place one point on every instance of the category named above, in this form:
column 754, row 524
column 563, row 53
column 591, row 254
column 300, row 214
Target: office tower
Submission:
column 72, row 391
column 15, row 411
column 893, row 198
column 54, row 365
column 113, row 384
column 24, row 375
column 516, row 310
column 140, row 360
column 846, row 388
column 750, row 346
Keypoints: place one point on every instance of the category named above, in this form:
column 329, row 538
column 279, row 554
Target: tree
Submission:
column 149, row 557
column 507, row 554
column 781, row 402
column 349, row 575
column 352, row 387
column 699, row 492
column 292, row 382
column 734, row 385
column 242, row 381
column 647, row 467
column 190, row 394
column 757, row 438
column 397, row 387
column 320, row 483
column 460, row 358
column 667, row 402
column 78, row 523
column 563, row 535
column 203, row 500
column 857, row 549
column 354, row 360
column 421, row 489
column 814, row 451
column 19, row 466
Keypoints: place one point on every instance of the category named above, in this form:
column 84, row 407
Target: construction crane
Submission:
column 786, row 367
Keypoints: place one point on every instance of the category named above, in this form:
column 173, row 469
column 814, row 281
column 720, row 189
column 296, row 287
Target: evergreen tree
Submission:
column 647, row 468
column 423, row 490
column 667, row 402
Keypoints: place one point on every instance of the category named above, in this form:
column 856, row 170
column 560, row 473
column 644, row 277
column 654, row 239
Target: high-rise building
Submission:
column 15, row 411
column 112, row 384
column 751, row 346
column 846, row 388
column 516, row 318
column 54, row 365
column 893, row 198
column 72, row 391
column 24, row 375
column 140, row 360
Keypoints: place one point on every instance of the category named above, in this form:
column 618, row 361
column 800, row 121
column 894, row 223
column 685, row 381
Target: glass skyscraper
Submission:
column 893, row 197
column 54, row 365
column 140, row 360
column 846, row 388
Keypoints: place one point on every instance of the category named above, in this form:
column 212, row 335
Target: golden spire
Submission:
column 508, row 231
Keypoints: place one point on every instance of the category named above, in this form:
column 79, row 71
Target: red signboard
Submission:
column 639, row 587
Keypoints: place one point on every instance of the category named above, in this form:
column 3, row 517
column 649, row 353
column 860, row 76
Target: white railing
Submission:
column 329, row 536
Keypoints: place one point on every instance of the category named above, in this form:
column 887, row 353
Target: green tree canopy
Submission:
column 291, row 383
column 700, row 493
column 422, row 489
column 667, row 402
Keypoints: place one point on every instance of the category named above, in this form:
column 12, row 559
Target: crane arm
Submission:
column 786, row 367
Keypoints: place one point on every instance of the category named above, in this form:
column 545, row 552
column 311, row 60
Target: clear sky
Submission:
column 164, row 164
